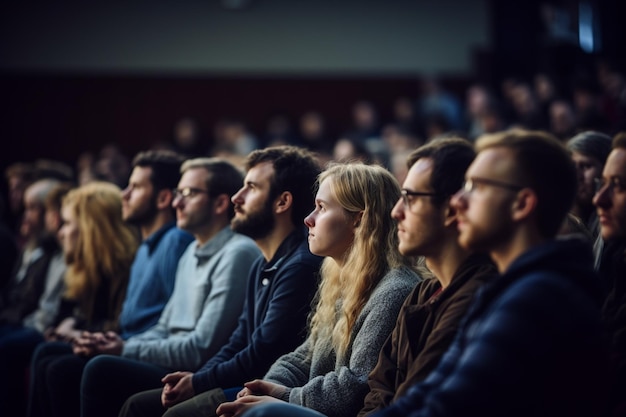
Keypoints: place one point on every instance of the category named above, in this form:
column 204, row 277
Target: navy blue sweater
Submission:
column 273, row 321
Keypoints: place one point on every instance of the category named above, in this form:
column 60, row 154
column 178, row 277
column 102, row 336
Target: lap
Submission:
column 201, row 405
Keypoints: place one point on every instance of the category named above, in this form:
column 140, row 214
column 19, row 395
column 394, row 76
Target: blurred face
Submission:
column 192, row 202
column 420, row 222
column 68, row 233
column 588, row 170
column 331, row 227
column 138, row 199
column 484, row 209
column 33, row 219
column 254, row 215
column 610, row 199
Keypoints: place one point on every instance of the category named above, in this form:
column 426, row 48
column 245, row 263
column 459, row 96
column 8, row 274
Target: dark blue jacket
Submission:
column 273, row 321
column 531, row 345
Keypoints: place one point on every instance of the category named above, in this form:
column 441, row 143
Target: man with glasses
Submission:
column 431, row 314
column 610, row 201
column 531, row 343
column 202, row 312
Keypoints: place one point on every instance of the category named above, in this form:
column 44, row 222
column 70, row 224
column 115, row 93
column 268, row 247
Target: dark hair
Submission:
column 590, row 143
column 165, row 166
column 295, row 171
column 224, row 177
column 544, row 165
column 451, row 157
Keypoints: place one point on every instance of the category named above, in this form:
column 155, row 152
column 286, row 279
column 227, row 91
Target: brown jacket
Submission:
column 426, row 326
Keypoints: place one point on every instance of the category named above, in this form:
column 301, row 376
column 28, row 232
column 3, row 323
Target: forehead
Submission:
column 194, row 177
column 140, row 174
column 616, row 164
column 581, row 157
column 493, row 163
column 419, row 174
column 260, row 174
column 325, row 191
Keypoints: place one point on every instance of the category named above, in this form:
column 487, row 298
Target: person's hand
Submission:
column 260, row 387
column 177, row 388
column 109, row 343
column 243, row 404
column 66, row 331
column 85, row 344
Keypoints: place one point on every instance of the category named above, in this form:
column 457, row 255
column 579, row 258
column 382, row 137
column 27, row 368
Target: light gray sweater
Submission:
column 205, row 305
column 337, row 386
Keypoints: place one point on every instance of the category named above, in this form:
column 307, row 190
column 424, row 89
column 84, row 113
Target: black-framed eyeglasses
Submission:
column 470, row 184
column 188, row 192
column 614, row 183
column 406, row 194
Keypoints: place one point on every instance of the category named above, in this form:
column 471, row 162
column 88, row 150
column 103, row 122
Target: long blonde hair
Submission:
column 105, row 248
column 344, row 291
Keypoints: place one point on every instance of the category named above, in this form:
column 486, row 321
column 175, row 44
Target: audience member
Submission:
column 276, row 195
column 589, row 152
column 202, row 312
column 430, row 316
column 610, row 201
column 32, row 303
column 364, row 282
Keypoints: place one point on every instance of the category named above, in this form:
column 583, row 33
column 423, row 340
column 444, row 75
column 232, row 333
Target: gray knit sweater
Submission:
column 337, row 386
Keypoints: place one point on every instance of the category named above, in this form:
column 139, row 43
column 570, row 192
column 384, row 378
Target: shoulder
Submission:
column 239, row 242
column 302, row 255
column 396, row 284
column 176, row 236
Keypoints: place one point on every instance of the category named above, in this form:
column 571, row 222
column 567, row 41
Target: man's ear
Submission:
column 221, row 204
column 450, row 214
column 524, row 205
column 164, row 199
column 283, row 202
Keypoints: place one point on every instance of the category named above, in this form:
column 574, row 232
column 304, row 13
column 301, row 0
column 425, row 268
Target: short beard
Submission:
column 144, row 217
column 256, row 225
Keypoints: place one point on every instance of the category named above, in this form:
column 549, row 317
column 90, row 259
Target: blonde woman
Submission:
column 99, row 249
column 364, row 282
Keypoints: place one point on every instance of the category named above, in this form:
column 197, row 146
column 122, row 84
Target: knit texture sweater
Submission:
column 336, row 386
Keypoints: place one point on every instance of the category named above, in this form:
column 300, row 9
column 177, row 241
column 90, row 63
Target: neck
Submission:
column 520, row 242
column 154, row 224
column 447, row 261
column 270, row 243
column 209, row 231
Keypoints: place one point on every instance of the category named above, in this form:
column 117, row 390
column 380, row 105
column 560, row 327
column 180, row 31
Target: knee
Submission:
column 98, row 371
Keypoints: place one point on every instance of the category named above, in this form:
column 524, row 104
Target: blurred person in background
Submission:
column 589, row 151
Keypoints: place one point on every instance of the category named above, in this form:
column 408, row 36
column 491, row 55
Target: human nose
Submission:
column 458, row 200
column 602, row 197
column 237, row 198
column 178, row 199
column 309, row 220
column 397, row 212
